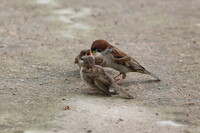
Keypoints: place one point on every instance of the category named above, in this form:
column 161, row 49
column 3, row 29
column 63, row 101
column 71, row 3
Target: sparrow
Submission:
column 96, row 77
column 118, row 60
column 98, row 58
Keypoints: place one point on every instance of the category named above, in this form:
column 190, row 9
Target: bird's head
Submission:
column 100, row 45
column 85, row 58
column 82, row 54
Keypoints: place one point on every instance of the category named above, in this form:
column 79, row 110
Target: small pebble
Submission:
column 89, row 131
column 66, row 108
column 156, row 113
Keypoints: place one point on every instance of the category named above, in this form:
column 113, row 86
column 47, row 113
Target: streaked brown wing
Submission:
column 117, row 53
column 134, row 65
column 124, row 59
column 102, row 87
column 98, row 78
column 102, row 76
column 120, row 57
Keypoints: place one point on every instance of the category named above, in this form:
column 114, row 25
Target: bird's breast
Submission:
column 81, row 73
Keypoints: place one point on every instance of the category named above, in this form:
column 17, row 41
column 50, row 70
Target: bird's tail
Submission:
column 153, row 75
column 122, row 91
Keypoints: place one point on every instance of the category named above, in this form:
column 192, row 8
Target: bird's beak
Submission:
column 94, row 51
column 88, row 53
column 76, row 60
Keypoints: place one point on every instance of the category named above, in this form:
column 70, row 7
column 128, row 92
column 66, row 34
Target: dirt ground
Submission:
column 40, row 86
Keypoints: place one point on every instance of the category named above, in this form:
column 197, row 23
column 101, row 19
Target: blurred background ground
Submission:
column 40, row 87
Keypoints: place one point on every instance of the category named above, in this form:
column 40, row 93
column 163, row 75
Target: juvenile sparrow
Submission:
column 97, row 78
column 98, row 58
column 118, row 60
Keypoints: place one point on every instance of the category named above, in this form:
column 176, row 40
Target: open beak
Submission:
column 88, row 53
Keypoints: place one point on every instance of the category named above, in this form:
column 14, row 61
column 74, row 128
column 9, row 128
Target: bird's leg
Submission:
column 117, row 76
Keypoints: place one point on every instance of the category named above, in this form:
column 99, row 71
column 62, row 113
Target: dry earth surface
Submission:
column 40, row 87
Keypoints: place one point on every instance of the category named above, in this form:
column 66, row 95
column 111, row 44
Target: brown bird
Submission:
column 98, row 58
column 97, row 78
column 118, row 60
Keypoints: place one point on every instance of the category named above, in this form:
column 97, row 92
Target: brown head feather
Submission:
column 83, row 52
column 100, row 45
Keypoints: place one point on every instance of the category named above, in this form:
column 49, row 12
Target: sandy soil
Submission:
column 40, row 87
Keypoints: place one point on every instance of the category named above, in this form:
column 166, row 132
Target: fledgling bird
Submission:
column 97, row 78
column 98, row 58
column 118, row 60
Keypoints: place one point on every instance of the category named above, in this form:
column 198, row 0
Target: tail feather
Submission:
column 151, row 74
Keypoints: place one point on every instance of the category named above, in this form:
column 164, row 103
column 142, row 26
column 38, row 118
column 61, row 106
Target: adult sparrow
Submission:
column 118, row 60
column 97, row 78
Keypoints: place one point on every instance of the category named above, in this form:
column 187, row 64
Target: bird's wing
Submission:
column 119, row 56
column 123, row 59
column 98, row 78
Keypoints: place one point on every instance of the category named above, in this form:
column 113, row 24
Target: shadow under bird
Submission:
column 98, row 79
column 118, row 60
